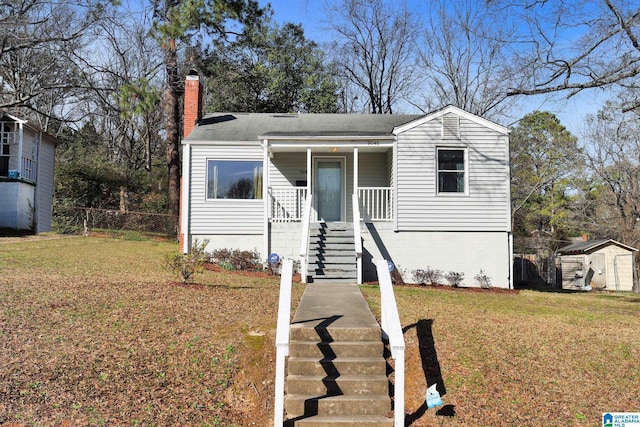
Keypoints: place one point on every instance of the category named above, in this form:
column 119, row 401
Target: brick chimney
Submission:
column 192, row 115
column 192, row 102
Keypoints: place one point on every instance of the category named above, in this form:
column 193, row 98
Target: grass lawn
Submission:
column 94, row 332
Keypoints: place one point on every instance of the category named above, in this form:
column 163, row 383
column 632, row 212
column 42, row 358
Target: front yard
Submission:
column 94, row 332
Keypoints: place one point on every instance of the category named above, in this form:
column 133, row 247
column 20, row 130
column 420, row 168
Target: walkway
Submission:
column 335, row 306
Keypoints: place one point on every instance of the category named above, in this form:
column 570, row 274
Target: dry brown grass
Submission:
column 95, row 332
column 520, row 359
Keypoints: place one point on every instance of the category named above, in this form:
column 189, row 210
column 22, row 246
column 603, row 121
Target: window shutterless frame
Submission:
column 234, row 179
column 452, row 171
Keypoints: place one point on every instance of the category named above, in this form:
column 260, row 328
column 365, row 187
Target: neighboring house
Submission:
column 26, row 175
column 432, row 190
column 598, row 264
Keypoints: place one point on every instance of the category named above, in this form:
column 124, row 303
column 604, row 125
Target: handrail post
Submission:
column 282, row 340
column 392, row 328
column 355, row 203
column 304, row 241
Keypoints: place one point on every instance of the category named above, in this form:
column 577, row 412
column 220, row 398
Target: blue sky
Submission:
column 311, row 14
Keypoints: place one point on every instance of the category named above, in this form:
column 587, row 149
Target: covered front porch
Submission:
column 332, row 172
column 323, row 180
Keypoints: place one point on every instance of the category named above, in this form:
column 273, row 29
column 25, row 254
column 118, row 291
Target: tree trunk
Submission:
column 172, row 117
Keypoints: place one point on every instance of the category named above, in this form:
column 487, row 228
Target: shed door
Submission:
column 599, row 278
column 572, row 272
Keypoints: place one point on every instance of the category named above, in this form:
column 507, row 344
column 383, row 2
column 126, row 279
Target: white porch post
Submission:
column 355, row 171
column 266, row 199
column 20, row 144
column 308, row 170
column 309, row 173
column 306, row 220
column 356, row 211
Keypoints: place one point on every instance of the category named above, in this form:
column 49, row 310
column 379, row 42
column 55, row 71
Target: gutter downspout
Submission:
column 266, row 232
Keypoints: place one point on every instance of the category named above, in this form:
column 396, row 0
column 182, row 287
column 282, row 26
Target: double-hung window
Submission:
column 452, row 170
column 234, row 179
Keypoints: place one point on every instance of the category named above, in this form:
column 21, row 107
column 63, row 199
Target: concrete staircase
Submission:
column 337, row 373
column 332, row 253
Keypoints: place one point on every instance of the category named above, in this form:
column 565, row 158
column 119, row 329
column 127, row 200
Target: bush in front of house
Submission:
column 483, row 279
column 454, row 278
column 235, row 259
column 185, row 266
column 428, row 276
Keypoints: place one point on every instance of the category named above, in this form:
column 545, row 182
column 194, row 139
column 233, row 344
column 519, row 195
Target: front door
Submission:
column 329, row 189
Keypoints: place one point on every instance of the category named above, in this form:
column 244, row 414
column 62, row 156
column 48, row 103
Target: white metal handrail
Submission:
column 392, row 328
column 287, row 203
column 357, row 236
column 304, row 240
column 282, row 339
column 377, row 203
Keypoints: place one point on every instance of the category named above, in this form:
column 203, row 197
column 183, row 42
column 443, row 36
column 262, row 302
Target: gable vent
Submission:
column 450, row 127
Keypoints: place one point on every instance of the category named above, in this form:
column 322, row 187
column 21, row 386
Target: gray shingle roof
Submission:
column 253, row 126
column 590, row 245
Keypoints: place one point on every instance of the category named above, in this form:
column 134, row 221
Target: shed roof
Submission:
column 256, row 126
column 590, row 246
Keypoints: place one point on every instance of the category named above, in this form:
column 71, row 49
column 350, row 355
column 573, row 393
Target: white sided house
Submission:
column 26, row 175
column 339, row 191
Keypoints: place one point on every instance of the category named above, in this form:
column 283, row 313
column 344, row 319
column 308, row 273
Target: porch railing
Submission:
column 282, row 339
column 392, row 329
column 287, row 203
column 376, row 203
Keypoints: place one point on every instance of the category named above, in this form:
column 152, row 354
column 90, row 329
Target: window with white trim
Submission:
column 451, row 170
column 234, row 179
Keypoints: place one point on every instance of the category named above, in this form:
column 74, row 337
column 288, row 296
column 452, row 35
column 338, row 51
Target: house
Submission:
column 26, row 175
column 598, row 264
column 338, row 191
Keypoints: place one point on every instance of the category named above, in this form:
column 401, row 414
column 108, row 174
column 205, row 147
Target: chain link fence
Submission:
column 86, row 220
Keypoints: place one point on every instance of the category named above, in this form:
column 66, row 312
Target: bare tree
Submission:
column 37, row 79
column 570, row 46
column 375, row 51
column 612, row 144
column 464, row 59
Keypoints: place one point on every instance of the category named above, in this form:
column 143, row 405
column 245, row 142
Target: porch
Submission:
column 17, row 152
column 333, row 173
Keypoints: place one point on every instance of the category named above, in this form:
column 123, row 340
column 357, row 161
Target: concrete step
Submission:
column 327, row 385
column 325, row 232
column 330, row 280
column 337, row 366
column 336, row 270
column 337, row 421
column 331, row 334
column 332, row 250
column 338, row 349
column 333, row 259
column 299, row 405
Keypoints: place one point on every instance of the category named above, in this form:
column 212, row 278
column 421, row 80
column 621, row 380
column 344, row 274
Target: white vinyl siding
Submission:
column 44, row 185
column 230, row 216
column 373, row 170
column 287, row 168
column 486, row 205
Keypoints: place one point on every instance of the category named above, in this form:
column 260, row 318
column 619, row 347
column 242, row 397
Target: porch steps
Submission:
column 332, row 253
column 337, row 373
